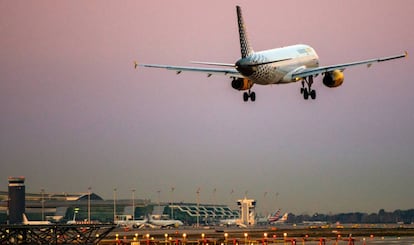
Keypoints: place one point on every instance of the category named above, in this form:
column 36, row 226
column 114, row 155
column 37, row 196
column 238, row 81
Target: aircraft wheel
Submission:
column 301, row 90
column 313, row 94
column 305, row 94
column 245, row 96
column 252, row 96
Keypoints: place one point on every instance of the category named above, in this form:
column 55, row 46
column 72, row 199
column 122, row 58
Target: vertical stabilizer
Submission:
column 245, row 47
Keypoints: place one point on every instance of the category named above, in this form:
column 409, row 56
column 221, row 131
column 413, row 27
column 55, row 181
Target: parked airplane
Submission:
column 274, row 218
column 127, row 221
column 275, row 66
column 33, row 222
column 163, row 223
column 281, row 220
column 232, row 222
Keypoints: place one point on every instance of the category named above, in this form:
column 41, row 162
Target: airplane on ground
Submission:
column 274, row 218
column 132, row 223
column 34, row 222
column 232, row 222
column 279, row 220
column 275, row 66
column 163, row 223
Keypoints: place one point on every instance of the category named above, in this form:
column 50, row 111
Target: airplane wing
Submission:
column 323, row 69
column 230, row 72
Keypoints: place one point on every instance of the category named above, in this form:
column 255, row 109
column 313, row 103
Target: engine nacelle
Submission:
column 333, row 79
column 241, row 84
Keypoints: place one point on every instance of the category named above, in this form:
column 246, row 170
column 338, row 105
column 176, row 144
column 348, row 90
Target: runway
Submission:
column 266, row 235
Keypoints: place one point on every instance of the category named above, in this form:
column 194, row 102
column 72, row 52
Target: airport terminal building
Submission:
column 61, row 208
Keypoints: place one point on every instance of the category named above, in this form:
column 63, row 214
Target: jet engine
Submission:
column 333, row 79
column 241, row 84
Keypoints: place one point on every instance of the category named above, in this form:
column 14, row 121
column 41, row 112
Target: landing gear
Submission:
column 308, row 91
column 247, row 95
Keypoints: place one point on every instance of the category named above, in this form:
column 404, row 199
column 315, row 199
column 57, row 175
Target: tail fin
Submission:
column 25, row 220
column 284, row 217
column 245, row 47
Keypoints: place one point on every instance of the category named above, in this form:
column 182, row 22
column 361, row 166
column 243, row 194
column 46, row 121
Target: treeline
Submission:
column 405, row 216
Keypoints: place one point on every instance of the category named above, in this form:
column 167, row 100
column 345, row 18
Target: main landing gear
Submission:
column 308, row 91
column 247, row 95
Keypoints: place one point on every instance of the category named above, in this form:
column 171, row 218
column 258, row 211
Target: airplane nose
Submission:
column 245, row 67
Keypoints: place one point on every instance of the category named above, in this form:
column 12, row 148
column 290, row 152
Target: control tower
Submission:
column 17, row 201
column 247, row 210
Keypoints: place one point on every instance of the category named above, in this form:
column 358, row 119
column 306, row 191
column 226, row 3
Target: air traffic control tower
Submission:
column 247, row 211
column 17, row 201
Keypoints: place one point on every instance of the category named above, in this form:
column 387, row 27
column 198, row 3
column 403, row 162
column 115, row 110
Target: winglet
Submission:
column 406, row 53
column 135, row 64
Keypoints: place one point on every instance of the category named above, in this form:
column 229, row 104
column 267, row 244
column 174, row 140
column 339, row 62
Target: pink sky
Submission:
column 72, row 105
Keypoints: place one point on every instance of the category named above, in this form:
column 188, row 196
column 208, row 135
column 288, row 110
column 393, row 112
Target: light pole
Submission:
column 214, row 204
column 114, row 205
column 159, row 198
column 43, row 203
column 89, row 204
column 133, row 204
column 172, row 200
column 198, row 207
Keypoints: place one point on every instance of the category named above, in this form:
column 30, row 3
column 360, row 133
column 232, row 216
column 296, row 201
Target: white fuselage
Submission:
column 288, row 60
column 164, row 223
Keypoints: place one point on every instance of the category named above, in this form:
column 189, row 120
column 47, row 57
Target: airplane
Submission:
column 128, row 222
column 37, row 222
column 281, row 220
column 232, row 222
column 164, row 223
column 274, row 217
column 275, row 66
